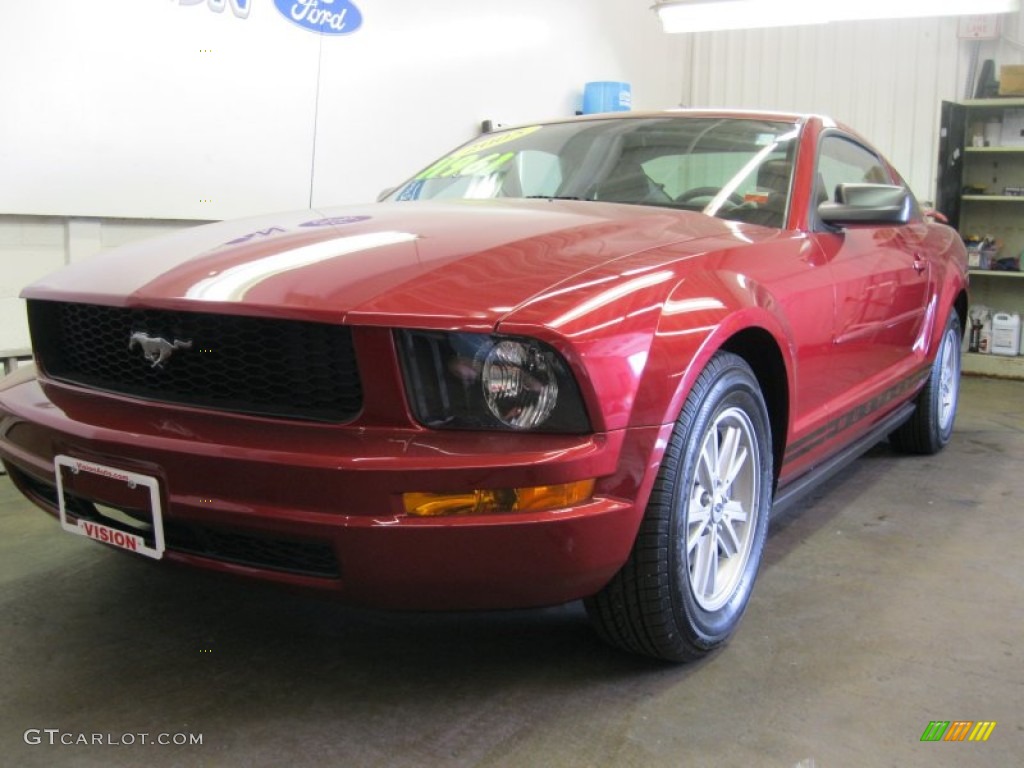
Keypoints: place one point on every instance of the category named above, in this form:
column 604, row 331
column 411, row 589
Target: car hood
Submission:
column 457, row 264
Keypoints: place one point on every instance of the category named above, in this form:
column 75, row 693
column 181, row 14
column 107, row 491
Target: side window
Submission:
column 842, row 161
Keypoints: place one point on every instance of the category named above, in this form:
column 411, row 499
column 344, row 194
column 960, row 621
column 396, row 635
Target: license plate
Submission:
column 147, row 490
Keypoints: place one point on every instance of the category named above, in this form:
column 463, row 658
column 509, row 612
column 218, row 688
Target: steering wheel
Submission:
column 709, row 192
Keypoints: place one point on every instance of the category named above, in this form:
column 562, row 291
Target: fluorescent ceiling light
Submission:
column 708, row 15
column 905, row 9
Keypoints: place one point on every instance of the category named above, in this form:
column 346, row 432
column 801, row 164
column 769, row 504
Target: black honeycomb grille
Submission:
column 308, row 558
column 263, row 366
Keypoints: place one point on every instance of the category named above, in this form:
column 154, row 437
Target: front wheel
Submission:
column 931, row 426
column 689, row 577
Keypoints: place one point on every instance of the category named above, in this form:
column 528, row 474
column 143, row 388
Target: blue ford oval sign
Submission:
column 328, row 17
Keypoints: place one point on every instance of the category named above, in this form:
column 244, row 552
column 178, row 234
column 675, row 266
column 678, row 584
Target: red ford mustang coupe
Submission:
column 584, row 359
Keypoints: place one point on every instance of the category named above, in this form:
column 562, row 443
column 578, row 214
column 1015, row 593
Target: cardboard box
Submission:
column 1011, row 80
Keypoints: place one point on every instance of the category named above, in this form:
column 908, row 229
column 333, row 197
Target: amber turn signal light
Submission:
column 488, row 502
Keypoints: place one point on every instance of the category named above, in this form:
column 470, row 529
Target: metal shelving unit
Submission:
column 983, row 213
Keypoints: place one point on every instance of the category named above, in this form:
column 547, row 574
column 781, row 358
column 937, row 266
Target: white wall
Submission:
column 125, row 118
column 151, row 109
column 168, row 109
column 885, row 79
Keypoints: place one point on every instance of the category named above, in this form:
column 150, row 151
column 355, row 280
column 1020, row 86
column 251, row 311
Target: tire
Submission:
column 931, row 426
column 689, row 577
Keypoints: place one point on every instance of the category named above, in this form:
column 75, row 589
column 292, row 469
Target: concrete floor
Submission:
column 891, row 599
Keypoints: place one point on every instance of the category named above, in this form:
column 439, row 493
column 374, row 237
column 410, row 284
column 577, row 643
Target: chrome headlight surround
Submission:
column 489, row 382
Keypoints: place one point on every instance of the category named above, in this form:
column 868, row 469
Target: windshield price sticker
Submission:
column 466, row 165
column 471, row 160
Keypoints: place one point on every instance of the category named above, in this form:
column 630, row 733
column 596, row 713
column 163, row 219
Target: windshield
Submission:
column 732, row 168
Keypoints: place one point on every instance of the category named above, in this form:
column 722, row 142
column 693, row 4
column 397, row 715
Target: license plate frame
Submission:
column 107, row 534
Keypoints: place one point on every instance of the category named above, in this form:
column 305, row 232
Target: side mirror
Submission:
column 867, row 204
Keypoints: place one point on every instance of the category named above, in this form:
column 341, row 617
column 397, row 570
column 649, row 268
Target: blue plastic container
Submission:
column 606, row 96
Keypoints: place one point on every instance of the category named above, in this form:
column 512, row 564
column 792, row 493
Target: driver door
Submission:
column 882, row 286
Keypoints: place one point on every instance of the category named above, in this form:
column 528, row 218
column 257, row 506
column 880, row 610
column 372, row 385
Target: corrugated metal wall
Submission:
column 885, row 79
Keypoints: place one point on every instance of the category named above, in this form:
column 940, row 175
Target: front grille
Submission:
column 263, row 366
column 307, row 558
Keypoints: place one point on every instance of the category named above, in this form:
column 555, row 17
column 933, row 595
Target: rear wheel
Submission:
column 689, row 577
column 931, row 426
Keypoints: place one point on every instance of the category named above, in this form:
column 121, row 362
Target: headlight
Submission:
column 519, row 383
column 479, row 381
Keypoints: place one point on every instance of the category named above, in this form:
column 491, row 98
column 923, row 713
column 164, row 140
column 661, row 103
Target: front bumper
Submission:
column 320, row 506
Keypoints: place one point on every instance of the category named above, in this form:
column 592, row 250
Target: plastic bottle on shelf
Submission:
column 1005, row 334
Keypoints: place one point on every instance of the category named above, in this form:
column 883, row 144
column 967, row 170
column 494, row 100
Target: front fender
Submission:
column 702, row 314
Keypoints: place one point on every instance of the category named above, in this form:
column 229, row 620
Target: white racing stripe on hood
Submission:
column 234, row 283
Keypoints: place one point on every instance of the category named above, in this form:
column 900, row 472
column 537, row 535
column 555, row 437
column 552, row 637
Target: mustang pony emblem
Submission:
column 156, row 349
